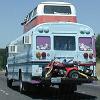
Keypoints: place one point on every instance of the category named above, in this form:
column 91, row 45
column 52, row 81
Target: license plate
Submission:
column 56, row 80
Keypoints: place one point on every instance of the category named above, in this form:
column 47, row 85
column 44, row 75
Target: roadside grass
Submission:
column 1, row 69
column 98, row 69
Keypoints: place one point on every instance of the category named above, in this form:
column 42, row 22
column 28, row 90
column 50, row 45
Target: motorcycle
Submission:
column 64, row 68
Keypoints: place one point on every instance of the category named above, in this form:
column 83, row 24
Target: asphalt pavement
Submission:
column 84, row 92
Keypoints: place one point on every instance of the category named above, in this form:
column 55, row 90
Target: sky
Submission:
column 12, row 13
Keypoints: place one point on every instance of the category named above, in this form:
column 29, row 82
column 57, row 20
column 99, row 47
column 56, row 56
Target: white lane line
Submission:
column 81, row 92
column 4, row 92
column 1, row 90
column 95, row 85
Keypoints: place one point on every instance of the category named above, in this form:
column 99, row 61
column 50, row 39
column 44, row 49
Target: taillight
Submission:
column 91, row 56
column 43, row 55
column 38, row 55
column 85, row 55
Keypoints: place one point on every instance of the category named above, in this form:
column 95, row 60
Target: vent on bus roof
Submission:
column 12, row 49
column 27, row 39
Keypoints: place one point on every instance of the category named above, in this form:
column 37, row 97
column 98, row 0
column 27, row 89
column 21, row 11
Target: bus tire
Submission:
column 69, row 89
column 9, row 83
column 21, row 86
column 6, row 73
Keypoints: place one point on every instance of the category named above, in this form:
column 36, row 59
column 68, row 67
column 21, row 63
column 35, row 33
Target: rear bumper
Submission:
column 62, row 81
column 67, row 81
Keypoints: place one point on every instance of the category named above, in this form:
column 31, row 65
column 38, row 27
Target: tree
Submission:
column 98, row 46
column 3, row 58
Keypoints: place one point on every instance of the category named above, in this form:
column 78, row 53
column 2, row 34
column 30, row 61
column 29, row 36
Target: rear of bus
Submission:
column 63, row 40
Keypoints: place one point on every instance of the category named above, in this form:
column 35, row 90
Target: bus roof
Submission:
column 53, row 2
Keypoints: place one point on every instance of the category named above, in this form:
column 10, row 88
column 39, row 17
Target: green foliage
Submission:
column 98, row 47
column 3, row 58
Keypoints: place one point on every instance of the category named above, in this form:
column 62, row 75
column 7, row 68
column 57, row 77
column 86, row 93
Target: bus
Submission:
column 53, row 50
column 50, row 12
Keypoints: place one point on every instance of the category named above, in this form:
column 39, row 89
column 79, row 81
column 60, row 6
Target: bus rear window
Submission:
column 85, row 43
column 50, row 9
column 64, row 43
column 43, row 43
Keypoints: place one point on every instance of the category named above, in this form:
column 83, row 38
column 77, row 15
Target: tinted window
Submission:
column 57, row 9
column 64, row 43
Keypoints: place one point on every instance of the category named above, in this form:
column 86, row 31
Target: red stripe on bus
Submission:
column 45, row 19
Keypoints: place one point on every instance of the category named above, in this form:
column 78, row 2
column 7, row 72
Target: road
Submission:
column 84, row 92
